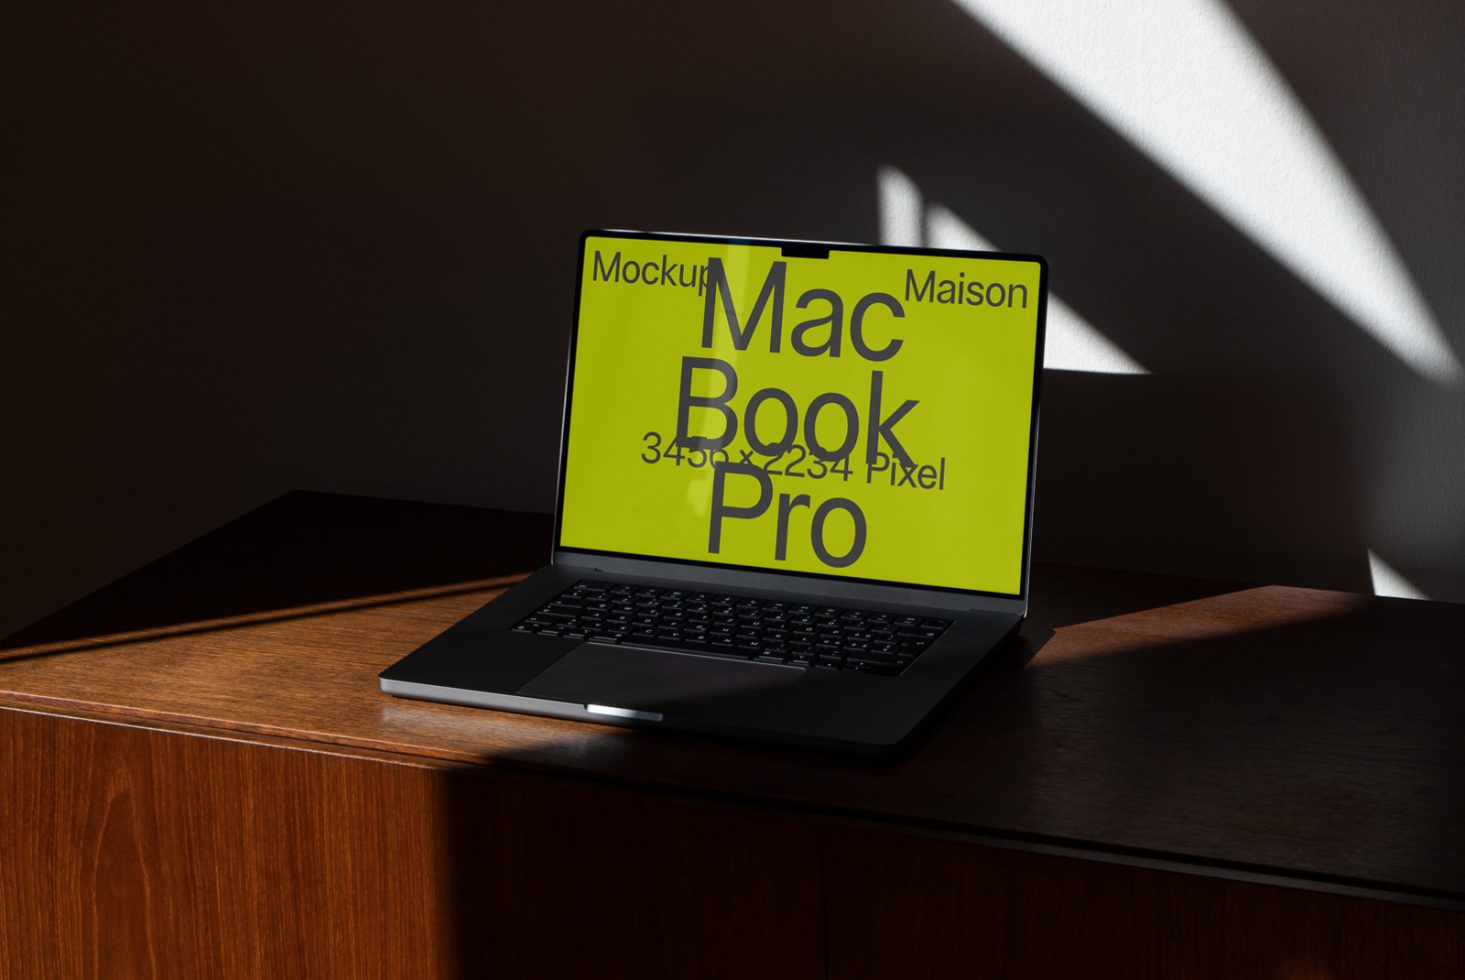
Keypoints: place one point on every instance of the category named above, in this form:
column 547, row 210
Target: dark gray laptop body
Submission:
column 482, row 662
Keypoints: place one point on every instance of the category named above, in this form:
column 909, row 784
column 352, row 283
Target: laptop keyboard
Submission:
column 742, row 627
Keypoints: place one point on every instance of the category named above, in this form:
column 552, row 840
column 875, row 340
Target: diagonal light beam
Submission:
column 1072, row 343
column 1185, row 83
column 1388, row 582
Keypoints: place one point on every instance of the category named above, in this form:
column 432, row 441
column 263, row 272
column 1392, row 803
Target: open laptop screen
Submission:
column 851, row 411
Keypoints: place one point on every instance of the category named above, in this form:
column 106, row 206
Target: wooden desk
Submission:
column 1164, row 778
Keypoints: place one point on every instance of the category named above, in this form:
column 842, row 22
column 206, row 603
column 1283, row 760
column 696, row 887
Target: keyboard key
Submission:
column 737, row 627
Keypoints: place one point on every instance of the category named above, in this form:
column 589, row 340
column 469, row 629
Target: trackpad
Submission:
column 625, row 677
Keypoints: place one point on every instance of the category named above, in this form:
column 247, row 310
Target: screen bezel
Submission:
column 808, row 249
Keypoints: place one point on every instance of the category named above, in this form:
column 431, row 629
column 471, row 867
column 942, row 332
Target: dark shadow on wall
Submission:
column 275, row 246
column 1269, row 438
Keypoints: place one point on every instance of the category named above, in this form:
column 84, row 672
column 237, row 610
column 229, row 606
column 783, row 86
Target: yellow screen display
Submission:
column 860, row 414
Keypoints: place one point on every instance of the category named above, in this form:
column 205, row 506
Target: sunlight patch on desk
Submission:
column 1072, row 344
column 1388, row 582
column 1216, row 617
column 1185, row 83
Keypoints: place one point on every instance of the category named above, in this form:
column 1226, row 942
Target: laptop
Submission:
column 795, row 494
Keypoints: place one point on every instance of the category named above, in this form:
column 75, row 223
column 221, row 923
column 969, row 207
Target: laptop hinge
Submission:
column 687, row 575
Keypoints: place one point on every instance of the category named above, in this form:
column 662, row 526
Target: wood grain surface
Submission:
column 130, row 852
column 1316, row 736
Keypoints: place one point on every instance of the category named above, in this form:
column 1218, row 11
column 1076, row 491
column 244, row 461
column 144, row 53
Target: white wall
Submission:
column 290, row 246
